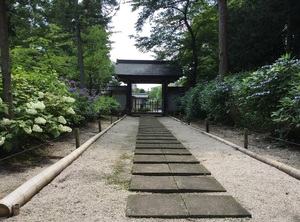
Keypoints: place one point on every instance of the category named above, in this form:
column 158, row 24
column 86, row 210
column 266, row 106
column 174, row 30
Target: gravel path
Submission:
column 94, row 187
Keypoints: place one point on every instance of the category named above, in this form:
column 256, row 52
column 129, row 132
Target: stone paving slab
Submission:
column 188, row 169
column 198, row 184
column 154, row 134
column 166, row 206
column 160, row 184
column 155, row 138
column 175, row 184
column 150, row 169
column 169, row 142
column 169, row 169
column 154, row 151
column 164, row 159
column 183, row 206
column 214, row 206
column 176, row 151
column 157, row 146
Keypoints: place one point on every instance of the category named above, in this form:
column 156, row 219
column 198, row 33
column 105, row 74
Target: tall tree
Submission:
column 223, row 55
column 171, row 20
column 5, row 63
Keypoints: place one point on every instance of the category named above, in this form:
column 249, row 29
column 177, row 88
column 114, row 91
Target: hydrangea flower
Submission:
column 40, row 94
column 62, row 120
column 68, row 99
column 62, row 128
column 31, row 111
column 37, row 128
column 28, row 130
column 70, row 110
column 6, row 122
column 40, row 120
column 38, row 105
column 2, row 140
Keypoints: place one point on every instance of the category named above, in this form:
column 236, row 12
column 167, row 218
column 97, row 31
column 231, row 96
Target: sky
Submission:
column 123, row 47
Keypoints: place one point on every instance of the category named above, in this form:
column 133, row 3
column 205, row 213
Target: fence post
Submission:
column 180, row 116
column 99, row 125
column 77, row 137
column 246, row 132
column 207, row 126
column 111, row 119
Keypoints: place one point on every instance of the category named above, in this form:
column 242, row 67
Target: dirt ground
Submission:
column 15, row 171
column 260, row 143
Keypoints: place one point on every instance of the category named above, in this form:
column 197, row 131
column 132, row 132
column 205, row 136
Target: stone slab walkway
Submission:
column 175, row 179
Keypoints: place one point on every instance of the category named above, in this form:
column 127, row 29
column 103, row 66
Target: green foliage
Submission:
column 266, row 99
column 90, row 106
column 287, row 117
column 260, row 93
column 42, row 109
column 98, row 67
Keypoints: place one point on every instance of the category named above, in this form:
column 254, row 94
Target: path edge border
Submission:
column 10, row 205
column 291, row 171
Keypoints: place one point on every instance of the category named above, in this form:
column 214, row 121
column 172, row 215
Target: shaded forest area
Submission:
column 57, row 53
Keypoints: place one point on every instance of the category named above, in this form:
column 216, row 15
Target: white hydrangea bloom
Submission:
column 40, row 120
column 2, row 140
column 68, row 99
column 6, row 122
column 62, row 128
column 31, row 111
column 39, row 105
column 37, row 128
column 41, row 94
column 28, row 130
column 62, row 120
column 71, row 111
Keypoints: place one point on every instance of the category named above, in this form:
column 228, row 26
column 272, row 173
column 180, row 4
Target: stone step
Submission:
column 169, row 169
column 164, row 159
column 183, row 206
column 154, row 151
column 175, row 184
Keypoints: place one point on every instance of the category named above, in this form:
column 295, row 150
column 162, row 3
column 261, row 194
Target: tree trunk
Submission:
column 5, row 65
column 193, row 77
column 79, row 46
column 80, row 55
column 223, row 54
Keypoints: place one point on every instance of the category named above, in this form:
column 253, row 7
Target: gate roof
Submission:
column 147, row 71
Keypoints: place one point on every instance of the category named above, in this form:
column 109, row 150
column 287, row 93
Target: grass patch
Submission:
column 121, row 170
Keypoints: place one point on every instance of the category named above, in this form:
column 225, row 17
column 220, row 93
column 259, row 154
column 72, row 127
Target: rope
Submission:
column 34, row 147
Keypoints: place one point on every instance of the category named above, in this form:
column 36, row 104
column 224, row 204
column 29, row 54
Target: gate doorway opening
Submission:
column 146, row 98
column 132, row 72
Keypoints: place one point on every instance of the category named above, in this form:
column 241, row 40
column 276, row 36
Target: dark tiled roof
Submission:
column 149, row 68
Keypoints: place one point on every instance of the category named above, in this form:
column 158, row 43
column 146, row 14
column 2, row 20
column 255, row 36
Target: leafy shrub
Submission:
column 266, row 99
column 287, row 117
column 42, row 109
column 90, row 105
column 260, row 93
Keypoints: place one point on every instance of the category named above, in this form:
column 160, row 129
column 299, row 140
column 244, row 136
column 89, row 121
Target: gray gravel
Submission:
column 94, row 187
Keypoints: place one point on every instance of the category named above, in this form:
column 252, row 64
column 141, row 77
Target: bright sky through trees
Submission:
column 123, row 47
column 123, row 25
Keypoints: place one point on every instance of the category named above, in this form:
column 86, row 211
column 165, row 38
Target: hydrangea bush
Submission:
column 43, row 108
column 266, row 99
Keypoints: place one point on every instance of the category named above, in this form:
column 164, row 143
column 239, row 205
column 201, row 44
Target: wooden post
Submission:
column 207, row 126
column 246, row 132
column 77, row 137
column 111, row 119
column 99, row 125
